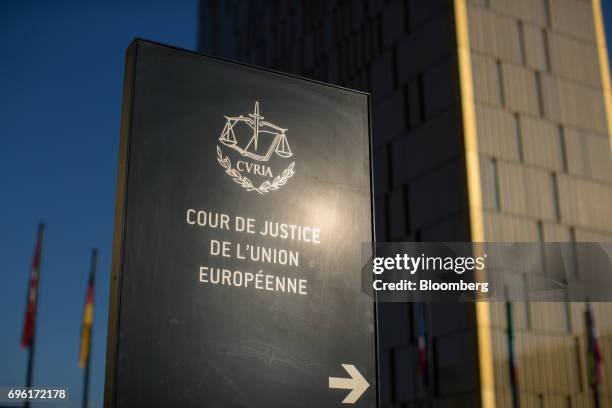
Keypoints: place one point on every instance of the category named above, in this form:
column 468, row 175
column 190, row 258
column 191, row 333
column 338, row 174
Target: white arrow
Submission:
column 356, row 383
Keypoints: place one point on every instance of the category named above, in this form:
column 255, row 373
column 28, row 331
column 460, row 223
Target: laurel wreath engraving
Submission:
column 246, row 183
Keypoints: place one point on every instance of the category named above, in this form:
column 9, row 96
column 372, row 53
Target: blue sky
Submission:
column 61, row 76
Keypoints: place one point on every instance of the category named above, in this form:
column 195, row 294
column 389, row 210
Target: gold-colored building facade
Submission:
column 491, row 122
column 541, row 97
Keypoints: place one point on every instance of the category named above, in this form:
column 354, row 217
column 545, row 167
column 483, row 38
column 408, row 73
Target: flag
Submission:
column 512, row 355
column 421, row 343
column 595, row 358
column 29, row 322
column 88, row 315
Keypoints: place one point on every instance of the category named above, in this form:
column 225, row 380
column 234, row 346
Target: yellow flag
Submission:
column 86, row 329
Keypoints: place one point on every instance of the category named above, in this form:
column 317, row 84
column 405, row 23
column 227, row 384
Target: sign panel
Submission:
column 243, row 198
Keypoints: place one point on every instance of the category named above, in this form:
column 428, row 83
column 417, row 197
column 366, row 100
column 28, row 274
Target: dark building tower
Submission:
column 491, row 122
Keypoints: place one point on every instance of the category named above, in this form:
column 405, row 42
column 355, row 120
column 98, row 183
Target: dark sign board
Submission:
column 243, row 198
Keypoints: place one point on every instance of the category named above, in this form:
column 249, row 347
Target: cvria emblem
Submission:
column 257, row 148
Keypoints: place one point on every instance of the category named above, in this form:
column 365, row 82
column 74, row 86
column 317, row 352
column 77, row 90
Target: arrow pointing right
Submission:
column 357, row 384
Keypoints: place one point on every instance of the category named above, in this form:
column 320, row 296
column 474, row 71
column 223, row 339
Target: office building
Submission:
column 491, row 122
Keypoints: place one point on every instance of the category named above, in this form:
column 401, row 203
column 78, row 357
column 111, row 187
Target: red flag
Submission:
column 595, row 360
column 421, row 343
column 30, row 317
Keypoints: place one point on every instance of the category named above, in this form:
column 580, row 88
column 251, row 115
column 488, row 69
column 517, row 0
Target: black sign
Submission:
column 243, row 198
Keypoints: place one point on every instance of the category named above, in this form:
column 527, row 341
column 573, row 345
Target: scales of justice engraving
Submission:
column 265, row 140
column 273, row 138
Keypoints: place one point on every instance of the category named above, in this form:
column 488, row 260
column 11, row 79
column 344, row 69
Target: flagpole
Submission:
column 593, row 348
column 430, row 356
column 94, row 263
column 512, row 356
column 596, row 396
column 415, row 382
column 512, row 369
column 30, row 366
column 86, row 384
